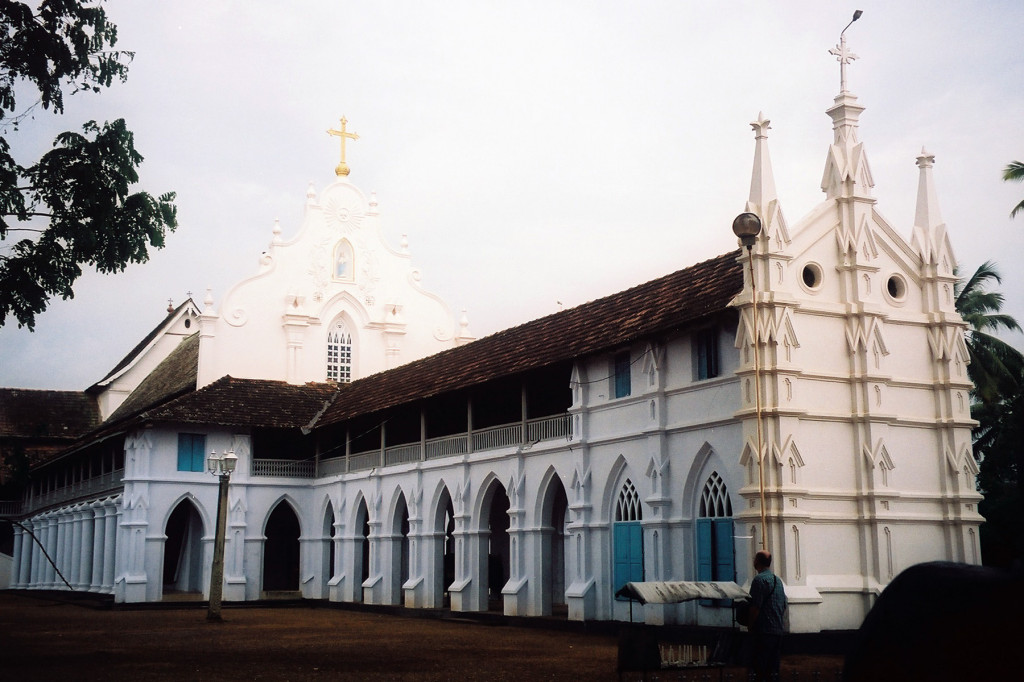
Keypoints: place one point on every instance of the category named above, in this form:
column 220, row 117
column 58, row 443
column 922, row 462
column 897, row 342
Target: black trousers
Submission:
column 766, row 651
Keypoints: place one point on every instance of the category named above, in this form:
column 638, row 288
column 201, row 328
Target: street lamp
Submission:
column 747, row 226
column 219, row 465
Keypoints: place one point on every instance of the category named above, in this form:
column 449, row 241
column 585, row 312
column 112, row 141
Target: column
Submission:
column 109, row 545
column 85, row 555
column 28, row 546
column 99, row 525
column 39, row 529
column 67, row 550
column 19, row 558
column 59, row 553
column 74, row 573
column 51, row 549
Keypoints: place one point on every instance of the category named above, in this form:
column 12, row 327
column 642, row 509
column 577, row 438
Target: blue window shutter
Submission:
column 191, row 452
column 184, row 452
column 198, row 452
column 622, row 375
column 705, row 551
column 725, row 551
column 628, row 548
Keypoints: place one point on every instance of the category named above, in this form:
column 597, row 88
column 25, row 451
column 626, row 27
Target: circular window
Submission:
column 188, row 323
column 811, row 276
column 896, row 287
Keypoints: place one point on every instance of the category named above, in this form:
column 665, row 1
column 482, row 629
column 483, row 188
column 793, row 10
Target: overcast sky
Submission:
column 534, row 152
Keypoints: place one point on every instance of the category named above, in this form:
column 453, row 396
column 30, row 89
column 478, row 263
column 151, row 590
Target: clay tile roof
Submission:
column 26, row 413
column 175, row 375
column 663, row 304
column 247, row 402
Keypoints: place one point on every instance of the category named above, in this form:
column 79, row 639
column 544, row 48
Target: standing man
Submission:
column 767, row 604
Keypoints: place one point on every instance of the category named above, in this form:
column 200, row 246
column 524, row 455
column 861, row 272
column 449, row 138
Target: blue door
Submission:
column 628, row 547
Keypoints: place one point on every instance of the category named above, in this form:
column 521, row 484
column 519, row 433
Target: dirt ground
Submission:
column 44, row 639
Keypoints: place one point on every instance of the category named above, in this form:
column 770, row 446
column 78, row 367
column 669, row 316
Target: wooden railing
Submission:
column 97, row 485
column 284, row 467
column 504, row 435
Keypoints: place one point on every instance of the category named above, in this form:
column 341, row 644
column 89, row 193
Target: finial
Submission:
column 760, row 126
column 277, row 229
column 925, row 160
column 208, row 301
column 310, row 193
column 170, row 305
column 341, row 170
column 842, row 55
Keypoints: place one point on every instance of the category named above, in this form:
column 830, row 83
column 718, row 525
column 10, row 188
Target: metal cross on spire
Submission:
column 342, row 169
column 843, row 55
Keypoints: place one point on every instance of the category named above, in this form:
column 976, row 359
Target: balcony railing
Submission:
column 505, row 435
column 284, row 467
column 90, row 487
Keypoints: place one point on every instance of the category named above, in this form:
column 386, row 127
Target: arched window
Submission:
column 714, row 500
column 628, row 506
column 716, row 552
column 339, row 353
column 628, row 538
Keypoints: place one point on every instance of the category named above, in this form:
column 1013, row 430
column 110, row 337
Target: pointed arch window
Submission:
column 628, row 506
column 339, row 353
column 716, row 551
column 628, row 538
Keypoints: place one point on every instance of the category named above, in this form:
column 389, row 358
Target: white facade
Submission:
column 858, row 363
column 338, row 274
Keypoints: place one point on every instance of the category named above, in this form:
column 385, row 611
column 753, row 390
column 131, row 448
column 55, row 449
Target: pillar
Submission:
column 85, row 555
column 99, row 526
column 16, row 581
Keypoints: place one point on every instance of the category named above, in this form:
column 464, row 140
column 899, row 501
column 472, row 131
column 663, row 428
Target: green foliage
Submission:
column 76, row 203
column 997, row 370
column 995, row 364
column 1014, row 172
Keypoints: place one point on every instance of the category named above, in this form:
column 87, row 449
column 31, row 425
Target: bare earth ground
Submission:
column 44, row 639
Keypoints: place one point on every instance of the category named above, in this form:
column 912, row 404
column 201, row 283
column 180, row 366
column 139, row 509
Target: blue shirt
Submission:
column 768, row 595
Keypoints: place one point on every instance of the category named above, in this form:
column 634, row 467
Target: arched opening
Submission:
column 399, row 550
column 716, row 550
column 443, row 551
column 628, row 537
column 495, row 546
column 554, row 581
column 361, row 553
column 327, row 551
column 183, row 551
column 281, row 550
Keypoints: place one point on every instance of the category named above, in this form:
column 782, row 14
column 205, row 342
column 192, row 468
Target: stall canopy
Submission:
column 679, row 591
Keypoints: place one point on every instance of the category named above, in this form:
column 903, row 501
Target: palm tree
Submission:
column 996, row 366
column 1014, row 172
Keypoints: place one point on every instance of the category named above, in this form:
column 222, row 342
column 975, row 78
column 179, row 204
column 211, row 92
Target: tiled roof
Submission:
column 657, row 306
column 174, row 376
column 247, row 403
column 27, row 413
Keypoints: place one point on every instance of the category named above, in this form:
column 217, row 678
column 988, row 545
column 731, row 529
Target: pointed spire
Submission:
column 927, row 215
column 930, row 239
column 764, row 200
column 762, row 180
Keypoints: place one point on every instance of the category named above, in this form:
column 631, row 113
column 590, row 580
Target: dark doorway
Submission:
column 497, row 545
column 183, row 550
column 281, row 551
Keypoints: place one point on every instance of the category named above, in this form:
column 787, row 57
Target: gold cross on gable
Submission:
column 342, row 168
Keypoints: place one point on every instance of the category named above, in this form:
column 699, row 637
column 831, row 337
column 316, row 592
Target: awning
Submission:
column 678, row 591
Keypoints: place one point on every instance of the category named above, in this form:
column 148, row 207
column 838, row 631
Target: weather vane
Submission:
column 843, row 55
column 342, row 169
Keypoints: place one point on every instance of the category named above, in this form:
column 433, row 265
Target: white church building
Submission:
column 385, row 456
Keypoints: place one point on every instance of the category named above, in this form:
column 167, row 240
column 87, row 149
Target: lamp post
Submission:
column 747, row 226
column 219, row 465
